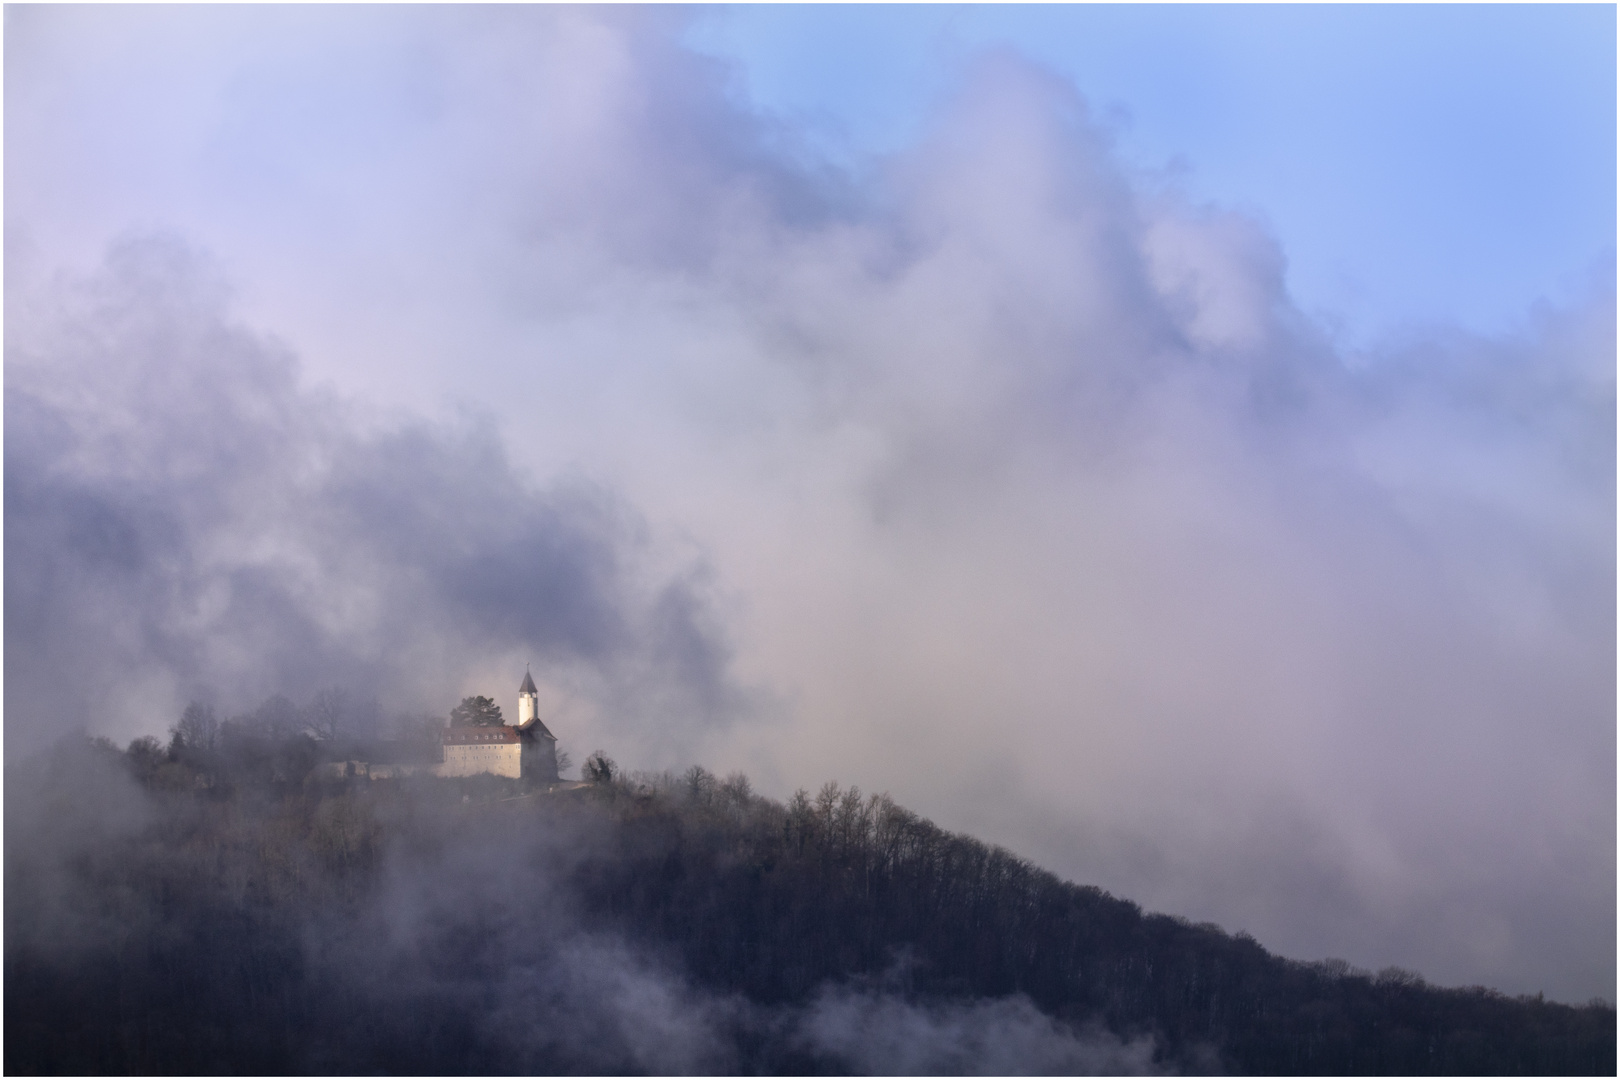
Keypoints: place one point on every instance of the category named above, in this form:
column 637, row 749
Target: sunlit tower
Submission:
column 539, row 744
column 528, row 700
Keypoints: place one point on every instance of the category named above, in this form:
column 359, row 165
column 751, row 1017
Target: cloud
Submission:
column 494, row 915
column 882, row 1035
column 186, row 521
column 1016, row 477
column 66, row 808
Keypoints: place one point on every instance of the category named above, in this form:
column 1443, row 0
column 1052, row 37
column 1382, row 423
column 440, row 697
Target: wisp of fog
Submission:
column 992, row 473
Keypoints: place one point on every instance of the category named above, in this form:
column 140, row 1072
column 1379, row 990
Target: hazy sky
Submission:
column 1175, row 443
column 1414, row 161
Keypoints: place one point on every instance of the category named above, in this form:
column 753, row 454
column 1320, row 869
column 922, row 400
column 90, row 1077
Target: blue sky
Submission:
column 1176, row 443
column 1417, row 162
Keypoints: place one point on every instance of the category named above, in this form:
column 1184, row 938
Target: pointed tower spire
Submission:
column 528, row 701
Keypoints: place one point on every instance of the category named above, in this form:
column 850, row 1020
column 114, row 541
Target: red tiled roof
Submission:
column 474, row 735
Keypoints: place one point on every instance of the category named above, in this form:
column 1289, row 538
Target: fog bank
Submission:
column 990, row 473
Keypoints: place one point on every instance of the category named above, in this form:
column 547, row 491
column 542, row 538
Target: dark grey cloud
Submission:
column 184, row 519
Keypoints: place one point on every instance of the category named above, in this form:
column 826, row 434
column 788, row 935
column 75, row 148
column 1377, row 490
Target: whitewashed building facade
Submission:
column 526, row 749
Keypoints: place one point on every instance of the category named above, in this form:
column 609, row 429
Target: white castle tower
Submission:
column 539, row 744
column 528, row 701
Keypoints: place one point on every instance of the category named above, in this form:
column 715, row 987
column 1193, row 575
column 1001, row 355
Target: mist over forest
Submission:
column 224, row 905
column 358, row 359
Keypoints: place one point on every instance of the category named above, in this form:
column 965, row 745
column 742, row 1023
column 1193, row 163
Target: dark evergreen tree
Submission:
column 476, row 712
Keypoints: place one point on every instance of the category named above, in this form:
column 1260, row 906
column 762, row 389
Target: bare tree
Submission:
column 198, row 728
column 277, row 718
column 699, row 783
column 328, row 712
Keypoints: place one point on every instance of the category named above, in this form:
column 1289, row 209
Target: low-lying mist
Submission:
column 995, row 472
column 183, row 910
column 438, row 927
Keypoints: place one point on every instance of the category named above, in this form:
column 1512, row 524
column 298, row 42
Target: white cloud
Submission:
column 1028, row 491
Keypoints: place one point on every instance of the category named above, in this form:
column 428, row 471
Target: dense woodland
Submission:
column 227, row 909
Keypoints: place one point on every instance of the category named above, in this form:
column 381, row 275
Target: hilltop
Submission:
column 166, row 915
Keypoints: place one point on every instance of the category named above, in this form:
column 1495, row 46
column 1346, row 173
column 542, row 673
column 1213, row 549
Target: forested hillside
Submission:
column 176, row 913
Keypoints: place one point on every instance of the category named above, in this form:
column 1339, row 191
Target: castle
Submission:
column 527, row 749
column 467, row 747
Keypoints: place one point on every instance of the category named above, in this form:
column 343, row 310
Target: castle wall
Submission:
column 501, row 759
